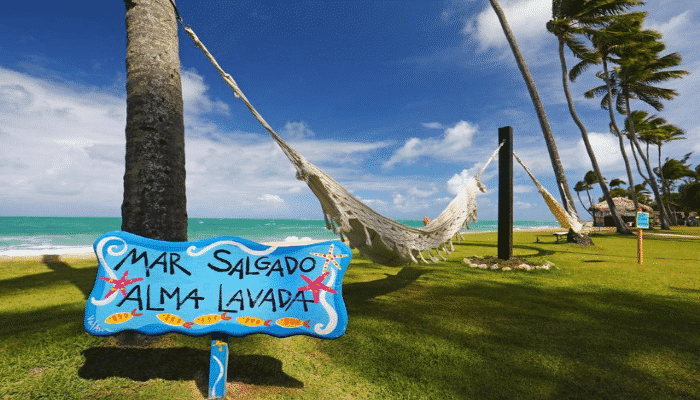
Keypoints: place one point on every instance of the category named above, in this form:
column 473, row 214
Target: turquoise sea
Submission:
column 31, row 235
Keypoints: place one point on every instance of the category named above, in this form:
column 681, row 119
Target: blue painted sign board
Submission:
column 225, row 286
column 642, row 220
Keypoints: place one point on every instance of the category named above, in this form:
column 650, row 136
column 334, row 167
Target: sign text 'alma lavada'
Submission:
column 225, row 285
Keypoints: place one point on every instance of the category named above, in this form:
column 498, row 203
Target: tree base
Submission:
column 578, row 238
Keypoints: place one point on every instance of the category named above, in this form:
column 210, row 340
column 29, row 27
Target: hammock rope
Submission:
column 381, row 239
column 566, row 220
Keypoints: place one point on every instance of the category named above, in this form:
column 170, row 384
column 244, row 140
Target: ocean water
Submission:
column 44, row 235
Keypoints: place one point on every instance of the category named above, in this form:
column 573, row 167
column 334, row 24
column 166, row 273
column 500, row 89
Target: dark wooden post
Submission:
column 505, row 194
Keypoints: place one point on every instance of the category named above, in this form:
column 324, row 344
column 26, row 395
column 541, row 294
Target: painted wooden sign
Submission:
column 643, row 220
column 224, row 285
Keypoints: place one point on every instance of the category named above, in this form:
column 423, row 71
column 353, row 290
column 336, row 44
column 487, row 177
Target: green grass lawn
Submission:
column 598, row 325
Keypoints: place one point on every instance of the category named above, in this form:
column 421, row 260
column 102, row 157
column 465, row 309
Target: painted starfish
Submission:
column 330, row 258
column 316, row 285
column 120, row 284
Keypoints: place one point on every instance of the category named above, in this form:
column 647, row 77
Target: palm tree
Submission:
column 539, row 109
column 637, row 51
column 591, row 178
column 652, row 129
column 617, row 182
column 640, row 68
column 642, row 193
column 616, row 33
column 671, row 171
column 571, row 17
column 154, row 203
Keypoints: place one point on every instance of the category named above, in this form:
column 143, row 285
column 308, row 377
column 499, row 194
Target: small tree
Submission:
column 580, row 187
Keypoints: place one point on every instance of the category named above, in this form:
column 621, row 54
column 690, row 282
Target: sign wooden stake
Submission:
column 218, row 366
column 640, row 255
column 642, row 222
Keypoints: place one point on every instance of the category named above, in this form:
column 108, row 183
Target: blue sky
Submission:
column 398, row 101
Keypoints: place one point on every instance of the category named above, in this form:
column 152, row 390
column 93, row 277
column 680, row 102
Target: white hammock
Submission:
column 381, row 239
column 566, row 220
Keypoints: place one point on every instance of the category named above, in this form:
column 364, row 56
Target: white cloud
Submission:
column 296, row 130
column 57, row 146
column 271, row 198
column 527, row 19
column 411, row 205
column 521, row 205
column 523, row 188
column 62, row 153
column 678, row 30
column 433, row 125
column 455, row 139
column 606, row 147
column 414, row 191
column 457, row 182
column 194, row 96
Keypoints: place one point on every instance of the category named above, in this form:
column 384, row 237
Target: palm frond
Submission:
column 596, row 91
column 578, row 47
column 583, row 65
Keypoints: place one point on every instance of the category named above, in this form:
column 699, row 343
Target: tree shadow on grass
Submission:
column 82, row 278
column 26, row 322
column 359, row 292
column 550, row 343
column 181, row 364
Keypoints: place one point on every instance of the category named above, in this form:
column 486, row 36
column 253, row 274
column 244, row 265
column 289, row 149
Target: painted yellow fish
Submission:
column 121, row 317
column 174, row 320
column 211, row 319
column 253, row 321
column 290, row 322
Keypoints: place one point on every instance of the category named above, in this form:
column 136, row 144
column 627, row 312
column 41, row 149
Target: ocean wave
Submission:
column 42, row 251
column 297, row 239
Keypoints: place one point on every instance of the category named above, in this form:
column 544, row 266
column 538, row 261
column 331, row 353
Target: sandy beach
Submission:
column 86, row 253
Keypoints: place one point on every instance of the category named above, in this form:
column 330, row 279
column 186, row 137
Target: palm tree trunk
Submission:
column 617, row 132
column 583, row 205
column 639, row 165
column 619, row 224
column 562, row 184
column 633, row 137
column 590, row 201
column 667, row 190
column 154, row 203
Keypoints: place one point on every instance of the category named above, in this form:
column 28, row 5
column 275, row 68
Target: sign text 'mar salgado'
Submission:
column 226, row 285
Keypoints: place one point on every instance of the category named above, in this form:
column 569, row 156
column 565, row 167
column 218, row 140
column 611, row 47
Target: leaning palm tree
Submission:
column 617, row 32
column 570, row 18
column 154, row 203
column 562, row 184
column 641, row 68
column 652, row 129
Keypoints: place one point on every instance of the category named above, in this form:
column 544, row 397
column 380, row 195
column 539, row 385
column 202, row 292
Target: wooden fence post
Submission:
column 505, row 194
